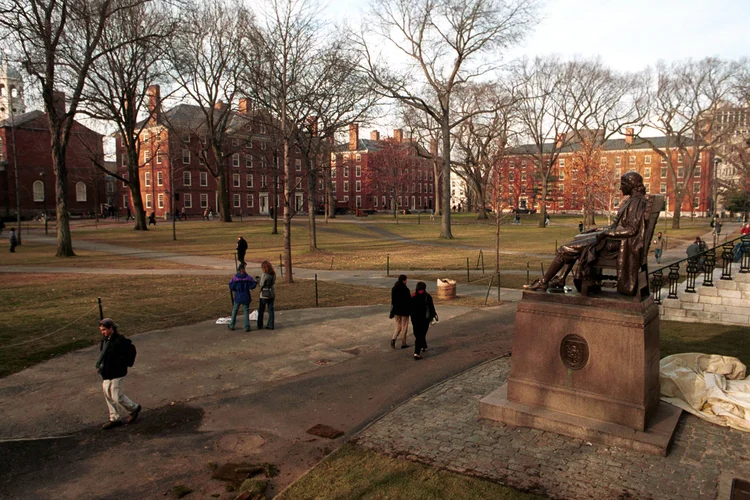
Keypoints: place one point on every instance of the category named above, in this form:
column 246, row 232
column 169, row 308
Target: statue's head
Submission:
column 632, row 182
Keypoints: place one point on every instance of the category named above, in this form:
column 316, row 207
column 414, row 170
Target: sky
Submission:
column 627, row 35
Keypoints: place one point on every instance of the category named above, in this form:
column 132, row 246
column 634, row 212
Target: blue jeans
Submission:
column 261, row 310
column 234, row 315
column 657, row 254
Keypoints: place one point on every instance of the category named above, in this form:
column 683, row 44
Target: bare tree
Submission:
column 445, row 43
column 58, row 41
column 686, row 105
column 597, row 103
column 541, row 120
column 481, row 140
column 117, row 89
column 208, row 61
column 425, row 130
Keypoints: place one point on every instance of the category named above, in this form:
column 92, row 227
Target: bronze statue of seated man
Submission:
column 624, row 239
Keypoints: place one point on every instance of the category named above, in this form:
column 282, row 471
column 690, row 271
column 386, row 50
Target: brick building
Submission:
column 358, row 169
column 174, row 163
column 25, row 148
column 521, row 184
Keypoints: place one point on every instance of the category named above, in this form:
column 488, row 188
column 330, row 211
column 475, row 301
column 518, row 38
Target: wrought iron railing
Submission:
column 701, row 263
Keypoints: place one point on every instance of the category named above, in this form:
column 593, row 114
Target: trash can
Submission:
column 446, row 289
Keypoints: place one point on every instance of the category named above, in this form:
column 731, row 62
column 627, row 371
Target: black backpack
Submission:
column 129, row 351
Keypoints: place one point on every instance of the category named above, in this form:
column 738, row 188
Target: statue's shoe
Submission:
column 537, row 286
column 557, row 282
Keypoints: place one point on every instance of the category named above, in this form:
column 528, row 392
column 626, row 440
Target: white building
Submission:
column 458, row 192
column 11, row 91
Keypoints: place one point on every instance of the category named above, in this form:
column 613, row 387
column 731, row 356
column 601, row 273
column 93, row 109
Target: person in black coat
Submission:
column 400, row 308
column 241, row 249
column 113, row 366
column 422, row 313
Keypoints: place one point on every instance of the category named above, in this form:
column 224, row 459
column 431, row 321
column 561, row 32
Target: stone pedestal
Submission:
column 588, row 368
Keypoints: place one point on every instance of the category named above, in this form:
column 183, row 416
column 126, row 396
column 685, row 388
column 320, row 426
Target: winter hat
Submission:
column 107, row 323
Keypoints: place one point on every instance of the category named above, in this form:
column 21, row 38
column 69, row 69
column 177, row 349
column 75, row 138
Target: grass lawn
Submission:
column 353, row 473
column 677, row 337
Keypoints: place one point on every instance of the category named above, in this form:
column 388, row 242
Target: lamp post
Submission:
column 44, row 201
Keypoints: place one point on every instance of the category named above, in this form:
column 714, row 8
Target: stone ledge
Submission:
column 690, row 298
column 708, row 291
column 654, row 440
column 691, row 307
column 671, row 313
column 725, row 284
column 730, row 294
column 709, row 300
column 736, row 319
column 743, row 311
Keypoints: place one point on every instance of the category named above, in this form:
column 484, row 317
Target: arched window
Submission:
column 13, row 92
column 2, row 90
column 80, row 191
column 38, row 191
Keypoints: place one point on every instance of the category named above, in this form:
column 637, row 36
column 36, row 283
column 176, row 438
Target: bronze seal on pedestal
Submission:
column 574, row 351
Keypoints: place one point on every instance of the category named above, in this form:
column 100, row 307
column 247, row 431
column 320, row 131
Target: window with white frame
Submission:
column 560, row 177
column 187, row 178
column 236, row 160
column 204, row 200
column 631, row 160
column 160, row 200
column 249, row 161
column 147, row 179
column 38, row 190
column 679, row 159
column 358, row 171
column 298, row 165
column 236, row 180
column 200, row 158
column 236, row 200
column 697, row 171
column 358, row 186
column 248, row 180
column 375, row 201
column 204, row 179
column 125, row 201
column 262, row 144
column 359, row 157
column 647, row 159
column 346, row 186
column 186, row 137
column 358, row 201
column 125, row 182
column 648, row 188
column 663, row 188
column 696, row 187
column 263, row 181
column 235, row 142
column 186, row 156
column 663, row 172
column 385, row 202
column 618, row 160
column 603, row 161
column 561, row 162
column 159, row 178
column 146, row 155
column 159, row 157
column 187, row 200
column 647, row 173
column 250, row 200
column 149, row 201
column 523, row 176
column 333, row 186
column 124, row 159
column 664, row 160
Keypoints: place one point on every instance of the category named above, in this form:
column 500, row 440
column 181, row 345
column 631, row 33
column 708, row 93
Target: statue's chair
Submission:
column 602, row 266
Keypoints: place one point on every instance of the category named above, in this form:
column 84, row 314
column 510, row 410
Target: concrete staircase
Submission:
column 726, row 303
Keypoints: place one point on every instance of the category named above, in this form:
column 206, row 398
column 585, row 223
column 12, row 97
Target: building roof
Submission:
column 38, row 120
column 609, row 145
column 191, row 117
column 371, row 146
column 23, row 119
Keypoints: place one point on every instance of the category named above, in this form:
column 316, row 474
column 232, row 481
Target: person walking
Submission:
column 152, row 219
column 267, row 295
column 129, row 215
column 659, row 244
column 241, row 284
column 400, row 307
column 580, row 227
column 13, row 240
column 116, row 354
column 241, row 249
column 422, row 313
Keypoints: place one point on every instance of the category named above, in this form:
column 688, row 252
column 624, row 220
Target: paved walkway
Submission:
column 441, row 427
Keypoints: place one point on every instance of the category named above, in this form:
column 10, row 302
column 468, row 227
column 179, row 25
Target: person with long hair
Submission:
column 400, row 307
column 422, row 313
column 267, row 294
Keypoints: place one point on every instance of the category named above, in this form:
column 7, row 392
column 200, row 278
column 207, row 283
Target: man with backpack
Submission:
column 116, row 354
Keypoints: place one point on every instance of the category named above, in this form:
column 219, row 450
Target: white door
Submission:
column 263, row 202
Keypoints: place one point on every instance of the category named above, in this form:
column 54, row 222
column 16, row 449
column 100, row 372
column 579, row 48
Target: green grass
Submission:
column 352, row 473
column 678, row 337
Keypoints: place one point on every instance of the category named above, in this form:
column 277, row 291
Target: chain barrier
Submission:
column 51, row 333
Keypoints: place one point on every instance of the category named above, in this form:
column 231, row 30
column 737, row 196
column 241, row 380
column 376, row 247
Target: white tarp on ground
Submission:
column 709, row 386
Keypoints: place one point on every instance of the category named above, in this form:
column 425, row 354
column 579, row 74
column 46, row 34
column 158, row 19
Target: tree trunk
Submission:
column 226, row 215
column 543, row 205
column 311, row 207
column 436, row 183
column 273, row 202
column 445, row 201
column 288, row 277
column 64, row 241
column 677, row 210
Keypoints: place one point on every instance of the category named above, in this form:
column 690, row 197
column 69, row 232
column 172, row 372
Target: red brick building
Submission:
column 356, row 166
column 521, row 183
column 25, row 148
column 174, row 161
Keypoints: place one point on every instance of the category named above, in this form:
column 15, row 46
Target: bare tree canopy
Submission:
column 447, row 44
column 58, row 41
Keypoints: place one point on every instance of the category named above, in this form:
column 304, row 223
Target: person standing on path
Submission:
column 114, row 358
column 241, row 284
column 267, row 294
column 659, row 246
column 13, row 240
column 422, row 313
column 152, row 219
column 129, row 215
column 400, row 308
column 241, row 249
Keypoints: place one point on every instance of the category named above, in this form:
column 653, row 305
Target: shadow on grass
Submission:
column 677, row 337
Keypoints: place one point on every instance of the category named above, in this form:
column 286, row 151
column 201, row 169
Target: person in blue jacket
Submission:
column 241, row 285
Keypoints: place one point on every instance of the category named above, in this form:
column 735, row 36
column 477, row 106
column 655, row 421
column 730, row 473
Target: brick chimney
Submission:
column 353, row 136
column 375, row 135
column 398, row 135
column 58, row 102
column 433, row 148
column 154, row 103
column 245, row 106
column 629, row 135
column 220, row 105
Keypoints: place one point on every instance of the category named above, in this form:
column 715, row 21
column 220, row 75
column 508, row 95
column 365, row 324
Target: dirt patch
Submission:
column 324, row 431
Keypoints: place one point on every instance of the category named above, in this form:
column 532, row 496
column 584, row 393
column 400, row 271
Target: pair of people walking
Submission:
column 419, row 307
column 242, row 283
